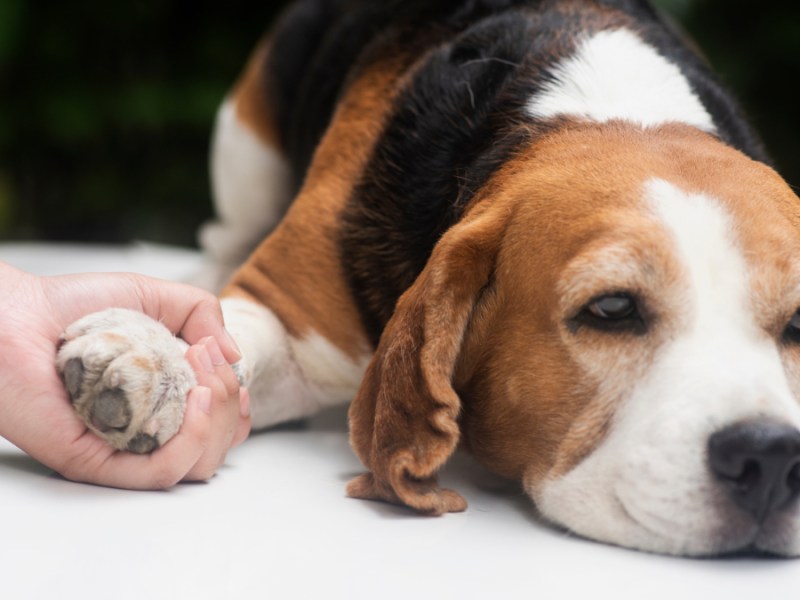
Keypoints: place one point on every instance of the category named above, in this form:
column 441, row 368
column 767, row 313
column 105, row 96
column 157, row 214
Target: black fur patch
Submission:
column 458, row 120
column 320, row 44
column 306, row 68
column 452, row 128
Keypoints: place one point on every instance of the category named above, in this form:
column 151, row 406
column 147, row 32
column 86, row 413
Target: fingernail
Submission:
column 244, row 403
column 215, row 352
column 205, row 359
column 232, row 343
column 203, row 398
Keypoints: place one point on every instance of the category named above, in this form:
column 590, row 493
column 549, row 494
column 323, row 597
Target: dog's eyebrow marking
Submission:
column 615, row 75
column 607, row 269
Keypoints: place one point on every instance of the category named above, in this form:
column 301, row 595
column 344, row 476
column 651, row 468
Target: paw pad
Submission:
column 111, row 410
column 126, row 377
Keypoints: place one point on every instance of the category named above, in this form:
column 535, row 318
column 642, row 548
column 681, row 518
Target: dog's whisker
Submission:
column 490, row 59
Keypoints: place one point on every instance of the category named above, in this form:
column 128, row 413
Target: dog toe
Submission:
column 143, row 443
column 73, row 378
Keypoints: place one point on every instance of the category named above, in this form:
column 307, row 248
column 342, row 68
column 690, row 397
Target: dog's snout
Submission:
column 758, row 461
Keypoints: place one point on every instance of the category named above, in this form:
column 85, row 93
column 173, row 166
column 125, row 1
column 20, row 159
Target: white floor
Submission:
column 274, row 523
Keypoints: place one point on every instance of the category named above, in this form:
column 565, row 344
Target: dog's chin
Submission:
column 716, row 531
column 738, row 543
column 737, row 536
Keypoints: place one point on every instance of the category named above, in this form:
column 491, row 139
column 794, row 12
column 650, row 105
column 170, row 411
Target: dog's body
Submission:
column 540, row 228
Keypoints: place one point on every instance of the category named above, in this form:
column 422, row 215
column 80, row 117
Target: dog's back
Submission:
column 459, row 51
column 467, row 76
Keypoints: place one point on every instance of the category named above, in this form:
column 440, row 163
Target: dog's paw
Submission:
column 126, row 377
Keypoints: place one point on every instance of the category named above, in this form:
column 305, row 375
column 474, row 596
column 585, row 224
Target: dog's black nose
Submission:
column 759, row 462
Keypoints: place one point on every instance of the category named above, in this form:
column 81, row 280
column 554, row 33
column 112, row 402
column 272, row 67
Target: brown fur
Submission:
column 404, row 419
column 535, row 397
column 296, row 271
column 250, row 96
column 482, row 348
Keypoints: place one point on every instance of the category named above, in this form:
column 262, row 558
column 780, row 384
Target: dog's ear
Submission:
column 404, row 420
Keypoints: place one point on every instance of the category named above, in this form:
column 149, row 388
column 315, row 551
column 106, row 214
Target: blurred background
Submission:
column 106, row 107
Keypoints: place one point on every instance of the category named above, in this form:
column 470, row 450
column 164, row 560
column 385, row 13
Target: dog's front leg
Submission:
column 289, row 375
column 290, row 306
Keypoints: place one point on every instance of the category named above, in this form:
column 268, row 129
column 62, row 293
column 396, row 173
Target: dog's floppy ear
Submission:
column 404, row 420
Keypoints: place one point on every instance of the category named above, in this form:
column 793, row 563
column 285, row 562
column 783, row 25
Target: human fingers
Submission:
column 190, row 311
column 213, row 372
column 186, row 310
column 245, row 420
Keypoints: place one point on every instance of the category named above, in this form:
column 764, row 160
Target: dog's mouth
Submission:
column 733, row 537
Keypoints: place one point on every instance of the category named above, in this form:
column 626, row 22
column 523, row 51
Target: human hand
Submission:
column 35, row 413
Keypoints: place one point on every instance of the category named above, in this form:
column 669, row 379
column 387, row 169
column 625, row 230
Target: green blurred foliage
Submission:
column 106, row 111
column 106, row 107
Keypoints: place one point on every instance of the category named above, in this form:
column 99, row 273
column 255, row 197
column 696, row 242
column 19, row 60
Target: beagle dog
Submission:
column 538, row 229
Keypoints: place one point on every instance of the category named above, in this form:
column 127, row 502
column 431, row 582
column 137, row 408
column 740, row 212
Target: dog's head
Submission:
column 615, row 323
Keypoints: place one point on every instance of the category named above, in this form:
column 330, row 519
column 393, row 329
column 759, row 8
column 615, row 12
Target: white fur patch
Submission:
column 648, row 485
column 288, row 378
column 251, row 187
column 328, row 368
column 615, row 75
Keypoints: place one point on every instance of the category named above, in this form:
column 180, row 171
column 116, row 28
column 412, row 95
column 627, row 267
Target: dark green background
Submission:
column 106, row 107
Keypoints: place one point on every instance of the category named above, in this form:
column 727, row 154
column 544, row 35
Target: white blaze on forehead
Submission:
column 703, row 235
column 720, row 342
column 615, row 75
column 720, row 346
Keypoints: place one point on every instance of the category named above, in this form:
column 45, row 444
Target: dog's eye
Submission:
column 612, row 313
column 792, row 333
column 613, row 308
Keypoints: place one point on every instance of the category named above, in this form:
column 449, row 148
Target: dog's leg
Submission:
column 290, row 307
column 251, row 178
column 290, row 374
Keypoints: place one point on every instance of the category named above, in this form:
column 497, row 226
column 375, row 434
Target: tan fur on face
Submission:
column 538, row 392
column 767, row 218
column 585, row 191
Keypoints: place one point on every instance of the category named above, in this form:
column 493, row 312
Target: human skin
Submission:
column 35, row 412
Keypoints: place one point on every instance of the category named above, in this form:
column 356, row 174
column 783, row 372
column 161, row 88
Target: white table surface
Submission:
column 275, row 523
